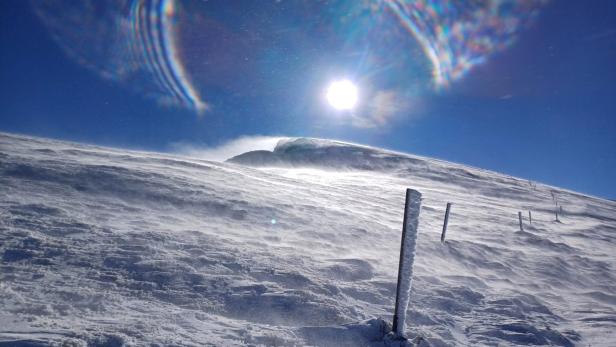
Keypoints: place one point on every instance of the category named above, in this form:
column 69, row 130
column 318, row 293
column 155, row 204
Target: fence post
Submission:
column 407, row 256
column 445, row 222
column 530, row 218
column 520, row 219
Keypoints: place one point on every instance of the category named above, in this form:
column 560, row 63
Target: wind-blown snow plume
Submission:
column 228, row 149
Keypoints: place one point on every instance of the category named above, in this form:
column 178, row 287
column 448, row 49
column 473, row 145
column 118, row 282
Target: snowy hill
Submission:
column 299, row 246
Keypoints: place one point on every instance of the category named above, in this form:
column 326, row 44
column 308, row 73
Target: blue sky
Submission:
column 543, row 108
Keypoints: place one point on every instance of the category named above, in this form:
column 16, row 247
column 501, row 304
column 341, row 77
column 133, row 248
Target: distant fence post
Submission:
column 445, row 222
column 530, row 218
column 556, row 212
column 520, row 219
column 407, row 256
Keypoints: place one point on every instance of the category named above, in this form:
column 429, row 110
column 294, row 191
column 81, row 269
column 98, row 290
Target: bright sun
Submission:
column 342, row 95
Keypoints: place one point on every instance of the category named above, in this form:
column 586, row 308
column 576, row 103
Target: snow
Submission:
column 108, row 247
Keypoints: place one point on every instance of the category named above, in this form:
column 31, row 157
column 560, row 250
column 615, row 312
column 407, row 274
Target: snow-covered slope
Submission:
column 105, row 247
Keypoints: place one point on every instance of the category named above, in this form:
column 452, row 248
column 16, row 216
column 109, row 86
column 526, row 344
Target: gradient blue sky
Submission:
column 544, row 109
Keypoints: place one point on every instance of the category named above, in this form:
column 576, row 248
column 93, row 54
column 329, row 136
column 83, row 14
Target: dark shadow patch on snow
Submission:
column 11, row 255
column 284, row 308
column 522, row 333
column 25, row 343
column 365, row 293
column 365, row 333
column 287, row 279
column 544, row 242
column 35, row 209
column 45, row 219
column 106, row 341
column 349, row 270
column 521, row 307
column 604, row 297
column 600, row 319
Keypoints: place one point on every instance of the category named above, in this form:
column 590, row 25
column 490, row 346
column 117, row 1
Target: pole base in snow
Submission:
column 393, row 340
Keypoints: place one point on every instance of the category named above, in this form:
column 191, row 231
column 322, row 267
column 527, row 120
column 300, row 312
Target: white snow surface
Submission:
column 108, row 247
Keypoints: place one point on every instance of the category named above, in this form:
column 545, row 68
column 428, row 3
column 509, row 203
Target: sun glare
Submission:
column 342, row 95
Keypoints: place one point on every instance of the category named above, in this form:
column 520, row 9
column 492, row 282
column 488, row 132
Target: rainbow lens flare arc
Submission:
column 459, row 35
column 152, row 41
column 131, row 42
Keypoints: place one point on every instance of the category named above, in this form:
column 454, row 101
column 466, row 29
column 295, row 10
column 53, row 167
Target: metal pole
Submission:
column 520, row 219
column 445, row 222
column 407, row 255
column 530, row 218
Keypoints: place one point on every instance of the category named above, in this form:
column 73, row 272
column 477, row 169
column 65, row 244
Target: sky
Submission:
column 526, row 88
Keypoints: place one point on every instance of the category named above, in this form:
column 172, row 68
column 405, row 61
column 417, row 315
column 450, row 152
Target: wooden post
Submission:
column 407, row 256
column 445, row 222
column 530, row 218
column 520, row 219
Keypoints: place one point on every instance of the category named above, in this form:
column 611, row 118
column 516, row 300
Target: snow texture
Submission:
column 407, row 257
column 108, row 247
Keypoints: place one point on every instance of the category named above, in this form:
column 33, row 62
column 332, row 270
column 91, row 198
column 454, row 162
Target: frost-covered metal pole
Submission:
column 520, row 219
column 445, row 222
column 407, row 256
column 530, row 218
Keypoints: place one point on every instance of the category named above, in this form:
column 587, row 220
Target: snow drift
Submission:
column 298, row 246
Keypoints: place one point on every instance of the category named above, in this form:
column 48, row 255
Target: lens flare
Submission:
column 458, row 35
column 132, row 42
column 151, row 40
column 271, row 54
